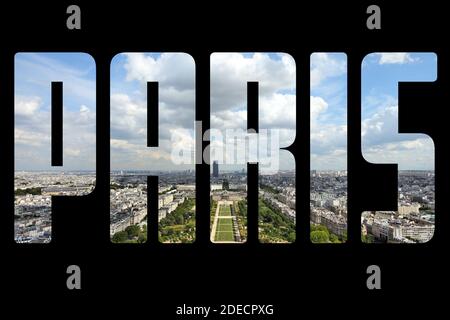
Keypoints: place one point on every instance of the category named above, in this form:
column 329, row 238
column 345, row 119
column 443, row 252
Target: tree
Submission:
column 366, row 238
column 291, row 237
column 32, row 191
column 334, row 238
column 120, row 236
column 319, row 237
column 319, row 227
column 142, row 238
column 133, row 231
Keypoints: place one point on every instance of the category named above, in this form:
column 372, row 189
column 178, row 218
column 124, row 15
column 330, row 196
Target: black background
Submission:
column 155, row 278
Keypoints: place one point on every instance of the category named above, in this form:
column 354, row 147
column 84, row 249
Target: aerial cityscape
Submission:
column 328, row 206
column 412, row 222
column 413, row 153
column 36, row 180
column 414, row 219
column 176, row 206
column 32, row 199
column 276, row 207
column 328, row 123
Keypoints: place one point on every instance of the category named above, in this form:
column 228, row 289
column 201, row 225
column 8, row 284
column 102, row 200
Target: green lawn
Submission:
column 225, row 210
column 224, row 230
column 224, row 224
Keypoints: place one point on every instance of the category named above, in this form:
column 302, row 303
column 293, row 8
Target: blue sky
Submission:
column 175, row 73
column 328, row 119
column 381, row 142
column 34, row 73
column 276, row 73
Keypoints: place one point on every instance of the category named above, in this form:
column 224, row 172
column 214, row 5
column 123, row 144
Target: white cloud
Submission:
column 395, row 58
column 382, row 127
column 415, row 154
column 229, row 119
column 32, row 132
column 381, row 142
column 230, row 73
column 318, row 105
column 175, row 74
column 72, row 152
column 324, row 66
column 276, row 77
column 328, row 127
column 29, row 139
column 128, row 117
column 169, row 69
column 278, row 111
column 33, row 74
column 328, row 139
column 26, row 106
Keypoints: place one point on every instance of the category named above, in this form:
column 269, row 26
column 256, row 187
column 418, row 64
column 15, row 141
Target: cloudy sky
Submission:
column 276, row 74
column 34, row 73
column 328, row 118
column 230, row 72
column 175, row 73
column 381, row 142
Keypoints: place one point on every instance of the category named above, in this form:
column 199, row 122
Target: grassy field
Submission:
column 224, row 230
column 225, row 210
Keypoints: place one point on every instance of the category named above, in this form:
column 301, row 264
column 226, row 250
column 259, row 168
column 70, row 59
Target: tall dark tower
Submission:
column 215, row 168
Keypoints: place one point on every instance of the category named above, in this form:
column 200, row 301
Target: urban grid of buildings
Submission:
column 33, row 192
column 128, row 196
column 414, row 219
column 328, row 200
column 412, row 222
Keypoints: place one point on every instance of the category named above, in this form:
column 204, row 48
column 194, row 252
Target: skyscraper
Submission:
column 215, row 168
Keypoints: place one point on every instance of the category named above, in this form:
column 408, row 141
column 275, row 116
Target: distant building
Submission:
column 409, row 208
column 186, row 187
column 216, row 187
column 335, row 224
column 225, row 184
column 215, row 168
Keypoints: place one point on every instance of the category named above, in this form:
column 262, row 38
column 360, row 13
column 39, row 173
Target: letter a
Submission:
column 374, row 280
column 374, row 20
column 74, row 280
column 74, row 20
